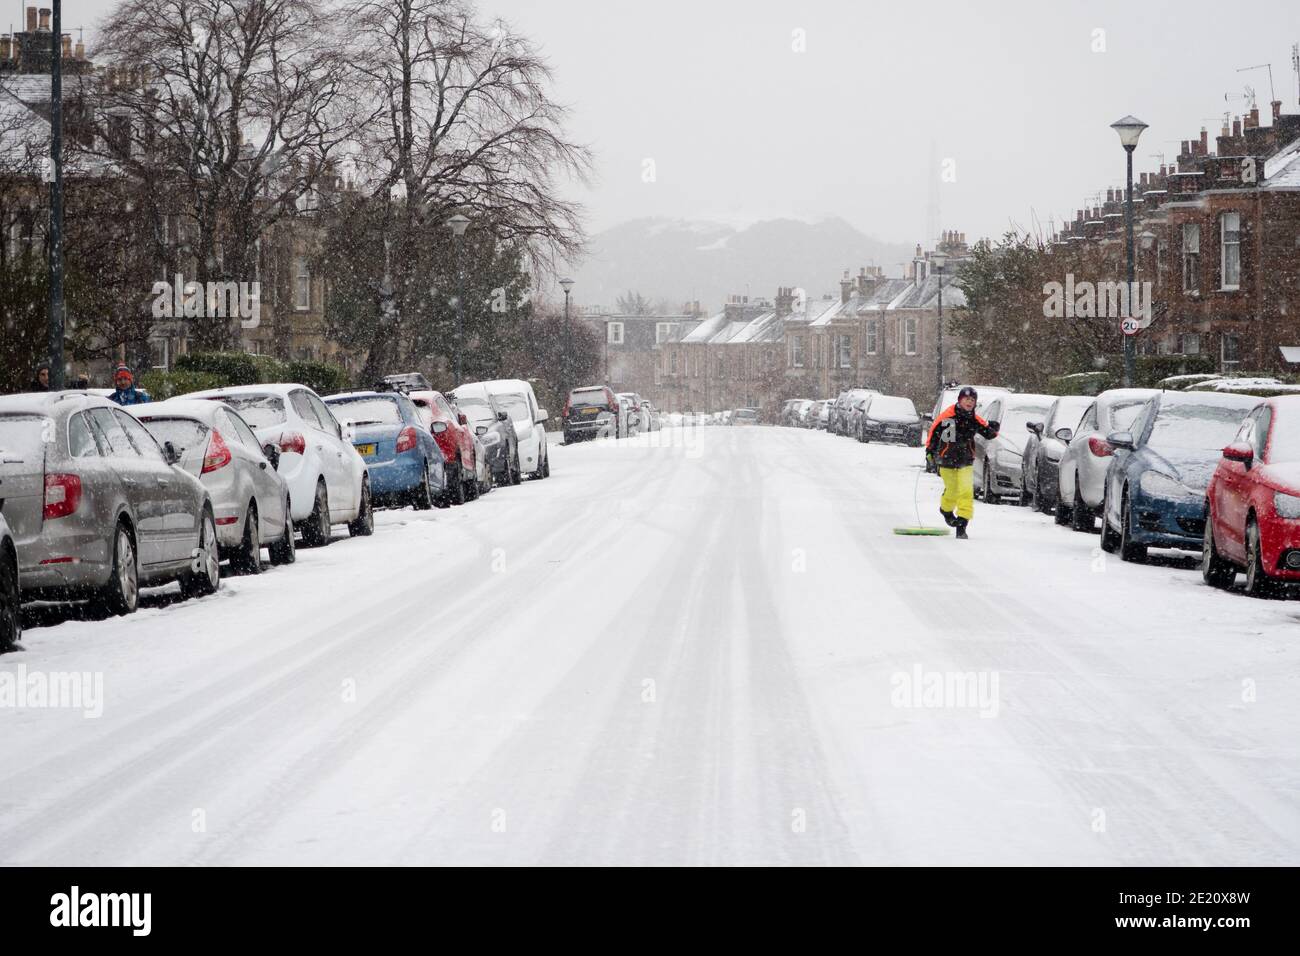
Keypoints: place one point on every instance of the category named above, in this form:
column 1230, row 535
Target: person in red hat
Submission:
column 124, row 390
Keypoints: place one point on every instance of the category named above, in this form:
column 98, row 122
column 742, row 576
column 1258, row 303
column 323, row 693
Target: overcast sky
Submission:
column 740, row 126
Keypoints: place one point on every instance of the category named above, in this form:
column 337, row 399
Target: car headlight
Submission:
column 1288, row 506
column 1163, row 486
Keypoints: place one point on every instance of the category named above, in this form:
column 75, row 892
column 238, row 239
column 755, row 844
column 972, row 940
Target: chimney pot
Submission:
column 80, row 51
column 66, row 44
column 1205, row 141
column 1254, row 117
column 1236, row 127
column 1277, row 111
column 45, row 20
column 31, row 19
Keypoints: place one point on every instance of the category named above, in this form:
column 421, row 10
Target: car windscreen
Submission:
column 1194, row 427
column 476, row 410
column 1284, row 445
column 1015, row 418
column 893, row 407
column 595, row 396
column 23, row 436
column 516, row 406
column 367, row 411
column 746, row 413
column 1069, row 411
column 258, row 410
column 184, row 433
column 1124, row 414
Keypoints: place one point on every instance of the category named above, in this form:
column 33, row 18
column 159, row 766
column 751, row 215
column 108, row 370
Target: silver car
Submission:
column 998, row 461
column 11, row 621
column 249, row 498
column 97, row 508
column 1082, row 474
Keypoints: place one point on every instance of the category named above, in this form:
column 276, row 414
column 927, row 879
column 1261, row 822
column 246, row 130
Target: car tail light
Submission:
column 407, row 439
column 613, row 408
column 1100, row 447
column 294, row 442
column 218, row 455
column 62, row 495
column 565, row 413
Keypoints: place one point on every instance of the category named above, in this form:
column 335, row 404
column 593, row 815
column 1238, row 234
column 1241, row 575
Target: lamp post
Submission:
column 1130, row 130
column 458, row 224
column 567, row 363
column 939, row 260
column 55, row 323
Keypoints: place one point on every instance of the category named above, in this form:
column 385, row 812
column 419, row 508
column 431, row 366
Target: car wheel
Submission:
column 991, row 497
column 121, row 595
column 11, row 616
column 472, row 488
column 1215, row 571
column 456, row 488
column 285, row 551
column 205, row 576
column 1258, row 583
column 1081, row 519
column 1026, row 499
column 316, row 529
column 422, row 498
column 515, row 469
column 546, row 465
column 363, row 526
column 248, row 560
column 1109, row 538
column 1129, row 550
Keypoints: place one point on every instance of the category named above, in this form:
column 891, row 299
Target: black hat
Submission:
column 968, row 390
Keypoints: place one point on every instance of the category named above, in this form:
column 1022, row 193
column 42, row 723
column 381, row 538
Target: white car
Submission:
column 516, row 397
column 998, row 460
column 1082, row 474
column 250, row 499
column 328, row 480
column 635, row 418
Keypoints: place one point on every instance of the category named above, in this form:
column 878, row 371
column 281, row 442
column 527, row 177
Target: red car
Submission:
column 451, row 431
column 1254, row 502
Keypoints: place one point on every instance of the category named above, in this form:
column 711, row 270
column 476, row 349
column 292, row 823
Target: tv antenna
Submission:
column 1248, row 96
column 1261, row 66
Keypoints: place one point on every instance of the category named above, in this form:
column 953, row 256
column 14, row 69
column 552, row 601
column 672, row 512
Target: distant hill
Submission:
column 680, row 260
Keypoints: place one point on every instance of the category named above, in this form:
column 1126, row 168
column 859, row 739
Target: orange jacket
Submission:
column 951, row 441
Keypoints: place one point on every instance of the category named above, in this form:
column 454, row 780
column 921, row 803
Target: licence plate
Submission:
column 366, row 450
column 591, row 411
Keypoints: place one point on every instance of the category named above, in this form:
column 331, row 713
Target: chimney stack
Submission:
column 45, row 20
column 31, row 19
column 1205, row 142
column 1253, row 120
column 66, row 43
column 1277, row 111
column 1236, row 127
column 4, row 48
column 80, row 51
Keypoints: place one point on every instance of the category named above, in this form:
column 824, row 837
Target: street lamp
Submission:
column 565, row 366
column 56, row 316
column 458, row 224
column 1130, row 130
column 939, row 260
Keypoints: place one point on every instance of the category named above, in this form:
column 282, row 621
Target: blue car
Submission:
column 1155, row 484
column 401, row 455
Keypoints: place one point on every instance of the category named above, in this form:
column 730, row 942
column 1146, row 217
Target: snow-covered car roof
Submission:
column 277, row 388
column 197, row 408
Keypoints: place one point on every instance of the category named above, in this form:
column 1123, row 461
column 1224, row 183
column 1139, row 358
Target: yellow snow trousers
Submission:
column 958, row 491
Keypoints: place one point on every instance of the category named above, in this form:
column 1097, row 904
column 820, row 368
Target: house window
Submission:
column 614, row 333
column 846, row 351
column 662, row 332
column 909, row 336
column 1230, row 250
column 301, row 285
column 721, row 368
column 1230, row 351
column 873, row 336
column 796, row 351
column 1191, row 344
column 1191, row 257
column 673, row 363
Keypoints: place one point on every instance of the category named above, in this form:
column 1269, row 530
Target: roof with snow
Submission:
column 925, row 295
column 1282, row 170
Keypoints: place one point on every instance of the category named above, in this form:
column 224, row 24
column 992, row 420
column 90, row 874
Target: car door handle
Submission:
column 262, row 465
column 162, row 482
column 129, row 481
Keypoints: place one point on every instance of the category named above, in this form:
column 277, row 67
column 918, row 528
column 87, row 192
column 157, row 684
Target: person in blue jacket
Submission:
column 125, row 392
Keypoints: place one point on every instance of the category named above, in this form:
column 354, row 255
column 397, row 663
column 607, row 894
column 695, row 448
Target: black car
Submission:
column 889, row 418
column 493, row 426
column 590, row 412
column 1041, row 461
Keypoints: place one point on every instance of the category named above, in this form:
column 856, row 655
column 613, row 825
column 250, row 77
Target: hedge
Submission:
column 244, row 368
column 1080, row 383
column 320, row 377
column 1150, row 370
column 163, row 385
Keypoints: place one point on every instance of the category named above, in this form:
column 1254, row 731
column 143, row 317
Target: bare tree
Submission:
column 234, row 108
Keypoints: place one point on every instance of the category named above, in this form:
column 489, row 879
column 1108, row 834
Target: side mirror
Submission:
column 272, row 454
column 170, row 454
column 1120, row 440
column 462, row 419
column 542, row 415
column 481, row 430
column 502, row 416
column 439, row 427
column 1064, row 434
column 1240, row 451
column 1035, row 427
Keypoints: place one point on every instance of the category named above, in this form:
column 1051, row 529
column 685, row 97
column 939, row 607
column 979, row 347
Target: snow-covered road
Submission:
column 700, row 650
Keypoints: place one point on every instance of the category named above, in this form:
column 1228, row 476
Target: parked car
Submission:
column 1253, row 502
column 790, row 411
column 404, row 461
column 589, row 412
column 744, row 416
column 493, row 427
column 1155, row 483
column 839, row 420
column 96, row 508
column 1081, row 475
column 888, row 418
column 998, row 460
column 328, row 480
column 11, row 617
column 516, row 397
column 649, row 417
column 823, row 414
column 1043, row 450
column 633, row 400
column 250, row 499
column 462, row 471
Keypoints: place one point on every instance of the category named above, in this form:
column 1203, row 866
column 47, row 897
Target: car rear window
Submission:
column 368, row 411
column 516, row 406
column 258, row 410
column 746, row 413
column 895, row 406
column 184, row 433
column 595, row 396
column 23, row 435
column 1195, row 427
